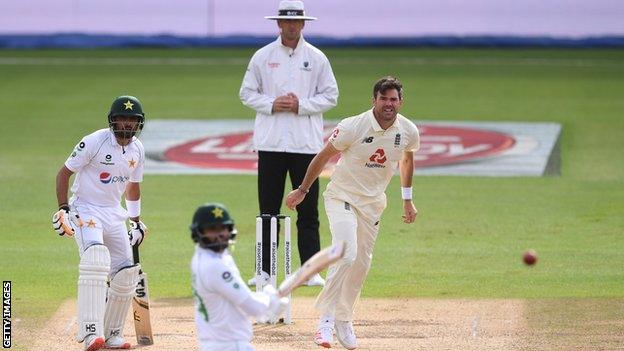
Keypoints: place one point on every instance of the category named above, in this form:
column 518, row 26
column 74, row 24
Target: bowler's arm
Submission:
column 314, row 170
column 406, row 172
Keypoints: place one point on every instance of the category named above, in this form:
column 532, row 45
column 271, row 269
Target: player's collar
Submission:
column 210, row 252
column 375, row 124
column 114, row 142
column 297, row 48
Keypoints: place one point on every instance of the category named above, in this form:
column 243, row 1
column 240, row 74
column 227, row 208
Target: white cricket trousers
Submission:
column 357, row 225
column 107, row 226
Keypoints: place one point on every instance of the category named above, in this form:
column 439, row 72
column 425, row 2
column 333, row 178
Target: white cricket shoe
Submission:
column 116, row 343
column 324, row 335
column 346, row 335
column 264, row 277
column 316, row 280
column 93, row 343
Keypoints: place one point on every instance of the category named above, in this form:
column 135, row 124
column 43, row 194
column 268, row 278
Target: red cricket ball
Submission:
column 529, row 257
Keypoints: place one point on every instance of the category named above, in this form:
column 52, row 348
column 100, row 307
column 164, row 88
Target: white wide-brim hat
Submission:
column 291, row 10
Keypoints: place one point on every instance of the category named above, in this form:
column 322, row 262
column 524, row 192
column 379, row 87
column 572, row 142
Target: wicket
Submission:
column 273, row 255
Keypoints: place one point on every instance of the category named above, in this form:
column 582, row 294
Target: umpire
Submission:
column 290, row 84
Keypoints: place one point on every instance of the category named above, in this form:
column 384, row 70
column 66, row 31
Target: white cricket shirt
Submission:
column 219, row 290
column 276, row 70
column 103, row 168
column 369, row 154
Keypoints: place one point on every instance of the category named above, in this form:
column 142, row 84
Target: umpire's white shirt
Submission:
column 276, row 70
column 103, row 168
column 219, row 290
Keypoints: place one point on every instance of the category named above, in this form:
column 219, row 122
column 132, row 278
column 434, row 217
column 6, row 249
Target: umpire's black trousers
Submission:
column 272, row 169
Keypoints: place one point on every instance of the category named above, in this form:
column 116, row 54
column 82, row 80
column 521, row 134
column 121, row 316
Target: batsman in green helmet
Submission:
column 126, row 118
column 223, row 302
column 108, row 164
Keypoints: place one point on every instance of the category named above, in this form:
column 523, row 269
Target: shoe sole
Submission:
column 97, row 344
column 325, row 344
column 125, row 346
column 348, row 347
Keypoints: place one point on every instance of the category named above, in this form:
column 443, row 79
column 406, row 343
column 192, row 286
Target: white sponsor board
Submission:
column 447, row 148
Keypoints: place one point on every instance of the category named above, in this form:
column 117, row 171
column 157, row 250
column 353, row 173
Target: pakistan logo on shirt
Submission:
column 108, row 160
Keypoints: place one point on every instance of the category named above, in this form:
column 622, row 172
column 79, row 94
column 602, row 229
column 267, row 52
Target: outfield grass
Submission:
column 471, row 231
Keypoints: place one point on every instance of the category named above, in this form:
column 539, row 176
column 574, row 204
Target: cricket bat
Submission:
column 140, row 306
column 315, row 264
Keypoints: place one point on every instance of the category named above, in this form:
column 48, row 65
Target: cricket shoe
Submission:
column 264, row 278
column 93, row 343
column 325, row 333
column 116, row 343
column 324, row 337
column 316, row 280
column 346, row 335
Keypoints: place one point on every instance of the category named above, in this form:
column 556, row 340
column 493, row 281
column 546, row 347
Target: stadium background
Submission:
column 473, row 60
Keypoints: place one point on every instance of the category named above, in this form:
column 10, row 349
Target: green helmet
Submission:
column 207, row 216
column 126, row 105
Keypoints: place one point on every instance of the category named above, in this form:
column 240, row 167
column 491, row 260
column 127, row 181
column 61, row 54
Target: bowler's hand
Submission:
column 409, row 211
column 294, row 198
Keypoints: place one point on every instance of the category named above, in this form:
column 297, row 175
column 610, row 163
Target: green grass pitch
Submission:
column 470, row 233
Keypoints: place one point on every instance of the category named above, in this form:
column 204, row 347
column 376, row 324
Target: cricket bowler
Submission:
column 370, row 145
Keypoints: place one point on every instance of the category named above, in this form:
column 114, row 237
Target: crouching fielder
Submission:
column 223, row 302
column 107, row 163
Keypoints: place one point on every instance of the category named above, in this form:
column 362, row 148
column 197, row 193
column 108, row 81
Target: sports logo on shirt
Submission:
column 368, row 140
column 227, row 276
column 377, row 159
column 107, row 178
column 397, row 140
column 273, row 64
column 334, row 134
column 306, row 66
column 78, row 148
column 107, row 160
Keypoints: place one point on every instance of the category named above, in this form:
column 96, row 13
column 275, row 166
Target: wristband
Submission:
column 133, row 208
column 303, row 190
column 406, row 193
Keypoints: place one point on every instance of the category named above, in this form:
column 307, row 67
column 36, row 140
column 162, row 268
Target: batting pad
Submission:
column 93, row 274
column 119, row 297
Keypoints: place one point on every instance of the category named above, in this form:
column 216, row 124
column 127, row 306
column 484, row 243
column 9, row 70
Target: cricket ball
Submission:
column 529, row 257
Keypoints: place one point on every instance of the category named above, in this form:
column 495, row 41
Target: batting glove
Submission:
column 277, row 305
column 61, row 222
column 137, row 232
